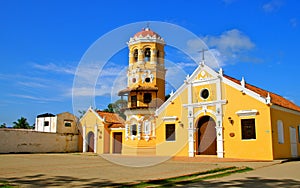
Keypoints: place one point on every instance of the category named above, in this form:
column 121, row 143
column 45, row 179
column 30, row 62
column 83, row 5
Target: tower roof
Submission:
column 145, row 32
column 146, row 35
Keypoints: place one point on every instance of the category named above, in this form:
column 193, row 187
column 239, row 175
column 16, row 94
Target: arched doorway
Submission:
column 206, row 141
column 90, row 142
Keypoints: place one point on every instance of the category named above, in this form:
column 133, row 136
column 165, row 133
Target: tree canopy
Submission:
column 21, row 124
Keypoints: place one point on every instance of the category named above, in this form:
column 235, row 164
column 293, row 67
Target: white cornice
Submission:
column 209, row 103
column 276, row 107
column 169, row 118
column 242, row 113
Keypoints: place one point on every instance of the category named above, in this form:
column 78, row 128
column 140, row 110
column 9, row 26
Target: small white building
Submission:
column 46, row 123
column 61, row 123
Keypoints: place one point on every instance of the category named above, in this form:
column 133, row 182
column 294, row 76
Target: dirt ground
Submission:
column 88, row 170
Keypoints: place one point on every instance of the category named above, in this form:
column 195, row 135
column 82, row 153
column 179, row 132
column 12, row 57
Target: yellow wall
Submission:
column 235, row 147
column 90, row 120
column 179, row 147
column 289, row 120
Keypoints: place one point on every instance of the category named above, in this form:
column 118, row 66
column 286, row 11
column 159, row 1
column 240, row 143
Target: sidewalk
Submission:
column 85, row 170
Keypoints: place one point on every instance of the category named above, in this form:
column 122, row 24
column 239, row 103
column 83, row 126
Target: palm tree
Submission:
column 21, row 124
column 3, row 125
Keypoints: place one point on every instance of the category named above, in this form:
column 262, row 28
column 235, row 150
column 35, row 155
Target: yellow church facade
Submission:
column 211, row 114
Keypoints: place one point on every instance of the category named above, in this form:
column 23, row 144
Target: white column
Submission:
column 190, row 122
column 84, row 148
column 126, row 131
column 139, row 131
column 95, row 138
column 219, row 123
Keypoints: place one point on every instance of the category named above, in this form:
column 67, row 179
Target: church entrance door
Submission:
column 90, row 142
column 206, row 141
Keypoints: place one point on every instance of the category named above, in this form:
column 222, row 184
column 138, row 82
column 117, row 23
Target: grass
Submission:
column 191, row 178
column 7, row 185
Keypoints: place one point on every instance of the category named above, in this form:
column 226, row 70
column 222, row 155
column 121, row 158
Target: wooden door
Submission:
column 117, row 146
column 293, row 140
column 206, row 137
column 90, row 142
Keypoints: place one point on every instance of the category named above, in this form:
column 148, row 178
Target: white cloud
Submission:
column 294, row 22
column 232, row 40
column 55, row 68
column 38, row 99
column 272, row 6
column 229, row 47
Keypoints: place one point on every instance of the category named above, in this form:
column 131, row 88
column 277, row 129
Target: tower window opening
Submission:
column 133, row 130
column 147, row 54
column 133, row 101
column 135, row 55
column 147, row 98
column 147, row 80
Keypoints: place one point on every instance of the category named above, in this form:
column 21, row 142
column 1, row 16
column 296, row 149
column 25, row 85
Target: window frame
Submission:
column 147, row 98
column 68, row 122
column 147, row 57
column 46, row 123
column 170, row 137
column 132, row 130
column 280, row 135
column 245, row 128
column 133, row 103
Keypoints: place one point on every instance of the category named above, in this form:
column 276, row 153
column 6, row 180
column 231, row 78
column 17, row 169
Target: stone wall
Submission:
column 30, row 141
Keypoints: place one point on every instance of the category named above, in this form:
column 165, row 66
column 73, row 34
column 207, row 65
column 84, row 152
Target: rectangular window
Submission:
column 133, row 101
column 147, row 97
column 46, row 123
column 133, row 130
column 280, row 132
column 170, row 132
column 248, row 129
column 68, row 123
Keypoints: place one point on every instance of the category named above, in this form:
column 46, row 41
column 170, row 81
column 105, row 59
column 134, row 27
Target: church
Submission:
column 210, row 114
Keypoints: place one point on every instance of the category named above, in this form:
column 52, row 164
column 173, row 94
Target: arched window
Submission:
column 147, row 54
column 280, row 132
column 135, row 55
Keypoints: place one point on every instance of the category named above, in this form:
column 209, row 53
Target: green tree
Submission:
column 21, row 124
column 3, row 125
column 117, row 107
column 81, row 113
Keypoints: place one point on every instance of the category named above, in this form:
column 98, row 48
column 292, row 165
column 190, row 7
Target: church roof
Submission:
column 146, row 35
column 45, row 115
column 113, row 119
column 137, row 88
column 275, row 99
column 145, row 32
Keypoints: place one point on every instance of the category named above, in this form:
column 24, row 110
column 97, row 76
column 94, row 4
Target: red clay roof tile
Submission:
column 275, row 99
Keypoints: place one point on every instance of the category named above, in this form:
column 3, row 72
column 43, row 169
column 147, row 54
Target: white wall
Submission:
column 39, row 124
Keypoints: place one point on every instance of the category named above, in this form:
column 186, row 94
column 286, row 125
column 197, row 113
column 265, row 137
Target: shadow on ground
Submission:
column 41, row 180
column 250, row 182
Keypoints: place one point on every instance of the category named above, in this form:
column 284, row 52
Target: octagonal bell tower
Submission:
column 145, row 79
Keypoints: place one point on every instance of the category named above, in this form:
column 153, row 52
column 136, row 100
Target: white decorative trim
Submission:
column 242, row 113
column 90, row 109
column 169, row 118
column 244, row 90
column 276, row 107
column 209, row 103
column 117, row 129
column 205, row 81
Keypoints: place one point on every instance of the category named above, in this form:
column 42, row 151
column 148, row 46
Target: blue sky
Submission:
column 43, row 42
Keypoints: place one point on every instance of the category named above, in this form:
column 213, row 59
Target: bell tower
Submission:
column 145, row 78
